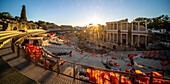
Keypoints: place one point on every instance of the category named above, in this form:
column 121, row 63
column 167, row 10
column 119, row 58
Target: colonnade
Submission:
column 112, row 37
column 112, row 26
column 138, row 39
column 138, row 22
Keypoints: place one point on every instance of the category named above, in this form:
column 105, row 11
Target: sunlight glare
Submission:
column 95, row 21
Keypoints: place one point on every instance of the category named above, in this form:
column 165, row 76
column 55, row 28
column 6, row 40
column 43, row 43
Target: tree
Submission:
column 23, row 14
column 47, row 22
column 9, row 16
column 43, row 22
column 40, row 22
column 52, row 23
column 6, row 15
column 17, row 18
column 31, row 21
column 160, row 22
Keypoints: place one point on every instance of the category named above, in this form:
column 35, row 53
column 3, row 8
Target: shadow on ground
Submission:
column 8, row 75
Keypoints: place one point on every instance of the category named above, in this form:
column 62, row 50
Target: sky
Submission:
column 83, row 12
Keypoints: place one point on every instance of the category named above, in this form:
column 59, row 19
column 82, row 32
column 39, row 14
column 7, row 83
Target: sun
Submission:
column 95, row 21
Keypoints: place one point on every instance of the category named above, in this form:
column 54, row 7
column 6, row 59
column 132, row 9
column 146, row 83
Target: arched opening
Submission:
column 15, row 28
column 26, row 41
column 36, row 43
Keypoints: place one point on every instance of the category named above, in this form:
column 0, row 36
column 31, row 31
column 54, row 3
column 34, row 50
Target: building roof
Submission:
column 124, row 20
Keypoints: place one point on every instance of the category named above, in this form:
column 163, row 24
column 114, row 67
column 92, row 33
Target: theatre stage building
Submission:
column 125, row 33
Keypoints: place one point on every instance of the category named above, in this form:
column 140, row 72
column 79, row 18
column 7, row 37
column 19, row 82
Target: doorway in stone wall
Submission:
column 36, row 43
column 123, row 41
column 15, row 28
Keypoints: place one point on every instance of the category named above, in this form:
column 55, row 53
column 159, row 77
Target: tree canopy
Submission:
column 23, row 13
column 43, row 22
column 160, row 22
column 6, row 15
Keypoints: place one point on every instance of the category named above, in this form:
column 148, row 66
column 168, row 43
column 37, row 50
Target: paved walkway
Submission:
column 34, row 72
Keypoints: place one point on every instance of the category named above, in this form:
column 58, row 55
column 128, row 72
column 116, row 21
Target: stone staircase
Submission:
column 36, row 73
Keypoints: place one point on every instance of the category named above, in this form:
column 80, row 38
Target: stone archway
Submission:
column 15, row 28
column 36, row 42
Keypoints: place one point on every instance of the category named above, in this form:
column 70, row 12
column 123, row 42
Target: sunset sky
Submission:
column 83, row 12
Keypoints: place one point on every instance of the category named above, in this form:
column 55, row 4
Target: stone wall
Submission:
column 12, row 25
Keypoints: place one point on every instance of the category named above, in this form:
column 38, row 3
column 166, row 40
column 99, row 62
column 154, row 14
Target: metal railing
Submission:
column 74, row 70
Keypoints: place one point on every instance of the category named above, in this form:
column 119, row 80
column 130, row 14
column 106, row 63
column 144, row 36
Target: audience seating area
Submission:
column 100, row 76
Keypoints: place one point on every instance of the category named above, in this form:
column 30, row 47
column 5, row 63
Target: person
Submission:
column 122, row 58
column 115, row 68
column 81, row 52
column 70, row 53
column 131, row 60
column 114, row 47
column 129, row 46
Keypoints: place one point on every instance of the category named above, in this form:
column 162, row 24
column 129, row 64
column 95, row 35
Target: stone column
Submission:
column 138, row 39
column 97, row 36
column 120, row 39
column 113, row 26
column 110, row 37
column 146, row 41
column 113, row 37
column 126, row 39
column 120, row 26
column 132, row 27
column 117, row 26
column 132, row 40
column 127, row 26
column 106, row 36
column 146, row 25
column 93, row 34
column 103, row 37
column 117, row 37
column 110, row 26
column 138, row 26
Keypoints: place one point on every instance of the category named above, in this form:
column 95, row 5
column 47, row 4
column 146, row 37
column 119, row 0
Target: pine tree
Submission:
column 23, row 14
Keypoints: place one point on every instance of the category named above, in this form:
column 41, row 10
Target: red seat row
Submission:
column 102, row 77
column 33, row 49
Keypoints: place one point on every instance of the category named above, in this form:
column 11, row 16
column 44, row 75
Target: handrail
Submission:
column 91, row 67
column 50, row 54
column 29, row 34
column 107, row 70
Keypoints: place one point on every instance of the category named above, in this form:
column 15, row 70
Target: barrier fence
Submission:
column 90, row 74
column 45, row 59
